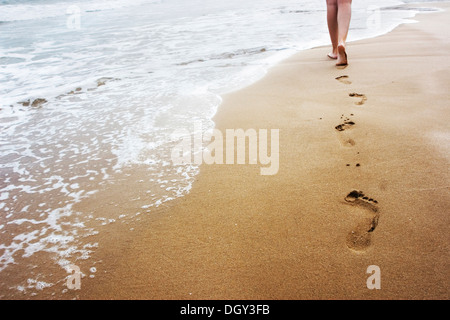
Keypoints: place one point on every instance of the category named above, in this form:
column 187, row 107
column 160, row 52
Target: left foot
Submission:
column 342, row 56
column 332, row 55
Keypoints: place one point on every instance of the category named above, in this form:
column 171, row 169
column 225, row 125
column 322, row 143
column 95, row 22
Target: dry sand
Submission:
column 293, row 235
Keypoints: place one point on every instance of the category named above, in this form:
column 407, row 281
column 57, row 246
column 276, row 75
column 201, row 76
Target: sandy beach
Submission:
column 379, row 126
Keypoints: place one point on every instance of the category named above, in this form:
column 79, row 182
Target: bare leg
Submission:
column 344, row 15
column 332, row 19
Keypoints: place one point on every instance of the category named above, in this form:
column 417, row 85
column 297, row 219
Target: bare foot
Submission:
column 332, row 55
column 342, row 56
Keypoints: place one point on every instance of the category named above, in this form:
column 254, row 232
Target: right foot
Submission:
column 342, row 56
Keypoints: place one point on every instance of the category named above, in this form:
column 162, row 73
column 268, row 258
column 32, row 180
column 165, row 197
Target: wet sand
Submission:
column 379, row 126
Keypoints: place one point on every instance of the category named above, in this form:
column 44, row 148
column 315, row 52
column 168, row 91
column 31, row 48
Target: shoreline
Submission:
column 240, row 235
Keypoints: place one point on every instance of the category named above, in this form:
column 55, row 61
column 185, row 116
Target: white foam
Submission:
column 20, row 12
column 35, row 284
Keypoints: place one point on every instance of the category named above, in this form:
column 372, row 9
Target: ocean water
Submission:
column 92, row 89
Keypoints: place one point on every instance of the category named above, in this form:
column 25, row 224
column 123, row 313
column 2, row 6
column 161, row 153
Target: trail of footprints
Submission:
column 360, row 237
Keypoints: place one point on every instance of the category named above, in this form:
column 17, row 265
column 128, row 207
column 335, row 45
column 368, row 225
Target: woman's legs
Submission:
column 339, row 13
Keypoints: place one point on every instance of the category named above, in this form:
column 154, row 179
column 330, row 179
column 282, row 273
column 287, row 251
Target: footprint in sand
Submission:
column 360, row 237
column 344, row 126
column 347, row 124
column 344, row 79
column 359, row 95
